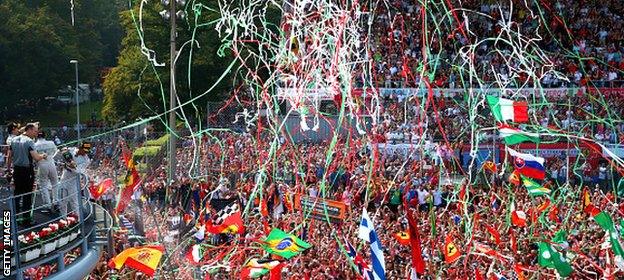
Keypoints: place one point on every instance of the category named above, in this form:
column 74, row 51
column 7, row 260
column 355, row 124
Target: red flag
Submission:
column 402, row 237
column 98, row 190
column 451, row 252
column 227, row 220
column 276, row 273
column 514, row 178
column 489, row 166
column 591, row 210
column 417, row 262
column 478, row 275
column 518, row 218
column 543, row 206
column 518, row 269
column 494, row 234
column 126, row 154
column 132, row 181
column 514, row 244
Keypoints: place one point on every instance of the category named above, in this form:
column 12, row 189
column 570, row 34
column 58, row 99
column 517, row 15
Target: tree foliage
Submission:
column 136, row 88
column 37, row 41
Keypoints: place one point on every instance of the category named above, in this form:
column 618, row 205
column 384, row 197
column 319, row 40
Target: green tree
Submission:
column 136, row 88
column 37, row 40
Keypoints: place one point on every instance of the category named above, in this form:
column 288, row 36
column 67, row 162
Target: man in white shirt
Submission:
column 68, row 191
column 47, row 176
column 423, row 194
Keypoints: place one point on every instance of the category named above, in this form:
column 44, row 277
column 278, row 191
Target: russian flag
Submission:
column 528, row 165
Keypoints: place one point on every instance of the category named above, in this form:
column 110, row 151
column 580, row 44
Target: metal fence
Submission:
column 33, row 252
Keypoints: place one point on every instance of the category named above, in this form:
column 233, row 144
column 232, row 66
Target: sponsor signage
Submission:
column 317, row 207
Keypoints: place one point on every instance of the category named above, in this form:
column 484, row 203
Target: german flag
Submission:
column 403, row 237
column 144, row 259
column 451, row 252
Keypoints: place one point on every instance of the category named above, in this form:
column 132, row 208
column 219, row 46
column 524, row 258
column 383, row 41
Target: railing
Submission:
column 51, row 249
column 401, row 83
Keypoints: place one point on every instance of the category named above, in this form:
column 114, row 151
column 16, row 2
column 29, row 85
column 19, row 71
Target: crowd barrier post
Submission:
column 84, row 245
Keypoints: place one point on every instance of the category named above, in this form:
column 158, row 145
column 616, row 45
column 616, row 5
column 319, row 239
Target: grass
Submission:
column 54, row 118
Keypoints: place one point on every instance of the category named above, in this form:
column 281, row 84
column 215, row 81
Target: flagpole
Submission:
column 568, row 141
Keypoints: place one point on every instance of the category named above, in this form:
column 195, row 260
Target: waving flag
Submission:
column 513, row 136
column 550, row 257
column 402, row 237
column 489, row 166
column 534, row 188
column 451, row 253
column 528, row 165
column 227, row 220
column 367, row 233
column 363, row 268
column 604, row 220
column 494, row 233
column 284, row 244
column 98, row 190
column 144, row 259
column 508, row 110
column 518, row 218
column 131, row 182
column 418, row 264
column 195, row 254
column 255, row 268
column 514, row 178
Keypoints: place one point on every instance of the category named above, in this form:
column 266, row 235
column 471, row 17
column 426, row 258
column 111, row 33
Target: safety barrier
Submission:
column 51, row 237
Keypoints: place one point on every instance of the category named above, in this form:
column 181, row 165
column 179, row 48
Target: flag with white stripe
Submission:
column 367, row 232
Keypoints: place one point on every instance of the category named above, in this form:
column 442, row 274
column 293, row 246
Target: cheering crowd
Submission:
column 474, row 211
column 494, row 226
column 475, row 215
column 590, row 29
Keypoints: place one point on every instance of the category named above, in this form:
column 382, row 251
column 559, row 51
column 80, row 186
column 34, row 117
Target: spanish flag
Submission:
column 144, row 259
column 451, row 252
column 403, row 237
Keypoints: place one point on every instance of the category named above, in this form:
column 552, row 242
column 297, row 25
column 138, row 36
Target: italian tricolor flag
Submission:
column 605, row 222
column 195, row 254
column 508, row 110
column 513, row 136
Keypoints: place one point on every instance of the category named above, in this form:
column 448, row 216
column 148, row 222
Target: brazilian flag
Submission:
column 284, row 244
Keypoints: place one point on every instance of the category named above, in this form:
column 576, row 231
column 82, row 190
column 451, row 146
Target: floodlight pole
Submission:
column 172, row 93
column 75, row 63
